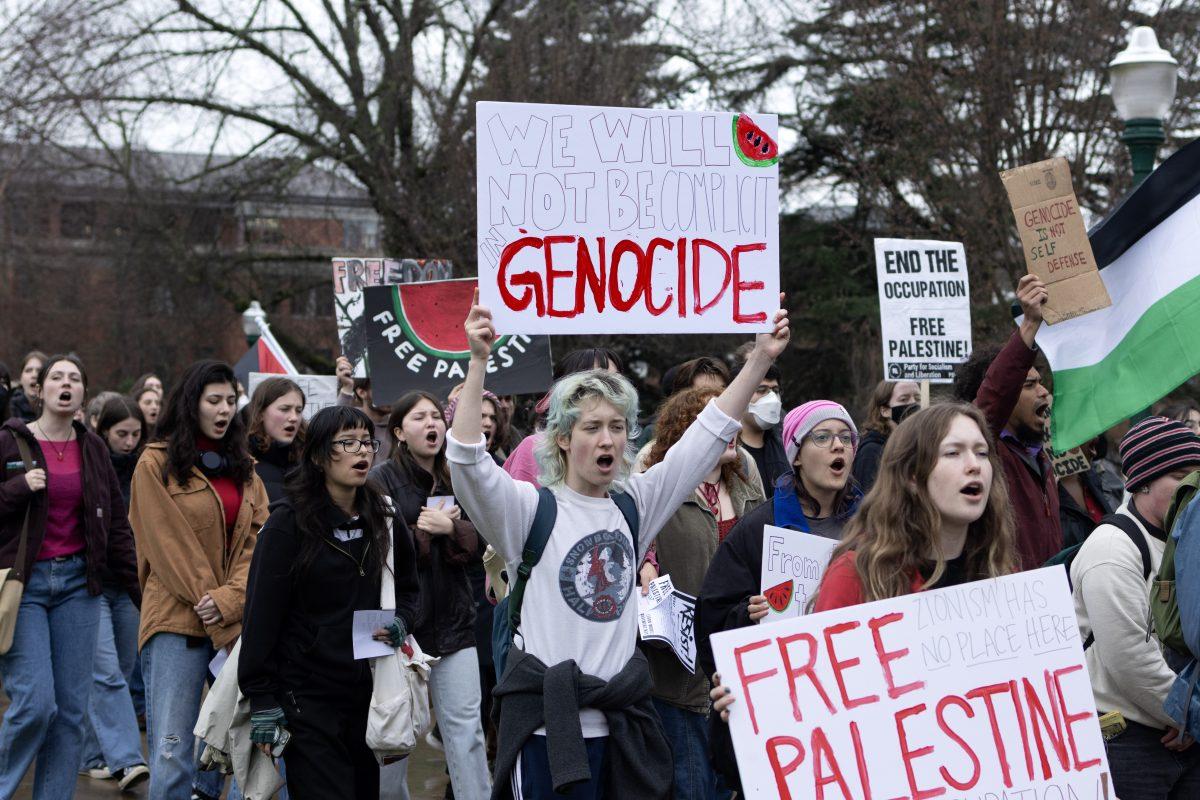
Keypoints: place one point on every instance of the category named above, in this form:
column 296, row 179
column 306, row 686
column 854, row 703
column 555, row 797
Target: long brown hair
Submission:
column 266, row 393
column 880, row 396
column 400, row 453
column 898, row 523
column 674, row 416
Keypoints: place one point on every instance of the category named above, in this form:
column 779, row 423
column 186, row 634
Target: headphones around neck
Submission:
column 213, row 464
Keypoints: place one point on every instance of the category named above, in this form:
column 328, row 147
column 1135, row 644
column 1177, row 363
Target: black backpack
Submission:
column 1130, row 528
column 507, row 617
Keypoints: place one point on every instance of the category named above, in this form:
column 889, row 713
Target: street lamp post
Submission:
column 1143, row 88
column 253, row 319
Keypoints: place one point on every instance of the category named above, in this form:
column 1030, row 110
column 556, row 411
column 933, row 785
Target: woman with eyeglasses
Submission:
column 320, row 558
column 817, row 498
column 196, row 509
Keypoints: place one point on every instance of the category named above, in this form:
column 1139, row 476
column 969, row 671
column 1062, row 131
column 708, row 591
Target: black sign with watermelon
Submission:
column 415, row 340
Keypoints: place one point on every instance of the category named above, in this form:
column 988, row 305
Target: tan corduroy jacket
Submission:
column 181, row 554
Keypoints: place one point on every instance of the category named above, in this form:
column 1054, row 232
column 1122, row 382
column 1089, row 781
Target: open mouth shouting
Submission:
column 605, row 463
column 290, row 429
column 1042, row 410
column 220, row 426
column 361, row 466
column 973, row 491
column 838, row 466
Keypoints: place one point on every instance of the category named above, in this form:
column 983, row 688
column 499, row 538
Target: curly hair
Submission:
column 675, row 415
column 179, row 425
column 968, row 377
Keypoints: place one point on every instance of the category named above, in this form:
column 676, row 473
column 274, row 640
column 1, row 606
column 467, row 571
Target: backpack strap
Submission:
column 1134, row 532
column 535, row 544
column 629, row 511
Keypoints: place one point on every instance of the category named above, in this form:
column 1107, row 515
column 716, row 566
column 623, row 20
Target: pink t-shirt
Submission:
column 64, row 494
column 522, row 463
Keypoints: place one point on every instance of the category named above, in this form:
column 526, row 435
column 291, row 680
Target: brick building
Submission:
column 145, row 262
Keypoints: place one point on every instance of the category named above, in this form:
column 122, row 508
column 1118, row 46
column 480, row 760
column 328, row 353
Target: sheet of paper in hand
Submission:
column 973, row 691
column 1053, row 238
column 602, row 220
column 668, row 615
column 793, row 563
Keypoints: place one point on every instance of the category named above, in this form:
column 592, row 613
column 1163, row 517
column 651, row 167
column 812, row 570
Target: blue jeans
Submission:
column 687, row 733
column 47, row 675
column 531, row 776
column 454, row 693
column 1142, row 769
column 175, row 675
column 112, row 736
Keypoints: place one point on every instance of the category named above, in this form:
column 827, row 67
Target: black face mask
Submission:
column 900, row 412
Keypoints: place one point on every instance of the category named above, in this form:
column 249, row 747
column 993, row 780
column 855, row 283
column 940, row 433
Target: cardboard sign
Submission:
column 924, row 308
column 415, row 340
column 1053, row 238
column 1069, row 463
column 596, row 220
column 352, row 275
column 793, row 563
column 320, row 391
column 977, row 690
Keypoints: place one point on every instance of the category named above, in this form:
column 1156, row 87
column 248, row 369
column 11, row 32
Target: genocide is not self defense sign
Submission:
column 972, row 691
column 603, row 220
column 924, row 308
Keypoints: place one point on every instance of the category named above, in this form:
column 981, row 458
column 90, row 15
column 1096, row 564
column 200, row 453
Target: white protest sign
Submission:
column 594, row 220
column 792, row 565
column 924, row 308
column 667, row 615
column 320, row 391
column 972, row 691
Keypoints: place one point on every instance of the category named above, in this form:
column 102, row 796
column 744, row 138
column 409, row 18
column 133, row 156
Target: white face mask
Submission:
column 766, row 410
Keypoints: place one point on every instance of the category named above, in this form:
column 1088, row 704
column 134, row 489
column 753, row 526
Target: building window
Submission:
column 77, row 220
column 264, row 230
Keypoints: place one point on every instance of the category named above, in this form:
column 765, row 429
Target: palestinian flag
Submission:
column 1110, row 364
column 415, row 340
column 265, row 355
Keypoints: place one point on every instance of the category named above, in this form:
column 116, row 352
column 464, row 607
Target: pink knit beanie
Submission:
column 800, row 421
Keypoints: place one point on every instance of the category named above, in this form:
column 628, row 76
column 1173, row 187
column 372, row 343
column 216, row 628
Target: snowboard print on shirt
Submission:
column 596, row 576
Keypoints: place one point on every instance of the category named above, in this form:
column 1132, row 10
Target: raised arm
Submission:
column 1001, row 388
column 767, row 347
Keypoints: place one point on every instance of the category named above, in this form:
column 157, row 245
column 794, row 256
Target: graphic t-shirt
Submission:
column 578, row 602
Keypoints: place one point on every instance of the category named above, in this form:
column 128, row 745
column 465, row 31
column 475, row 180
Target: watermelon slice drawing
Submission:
column 754, row 147
column 779, row 597
column 431, row 316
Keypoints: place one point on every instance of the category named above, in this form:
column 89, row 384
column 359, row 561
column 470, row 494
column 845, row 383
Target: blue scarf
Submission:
column 788, row 511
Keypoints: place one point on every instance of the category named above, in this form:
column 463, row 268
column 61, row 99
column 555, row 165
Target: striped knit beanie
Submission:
column 1155, row 447
column 800, row 421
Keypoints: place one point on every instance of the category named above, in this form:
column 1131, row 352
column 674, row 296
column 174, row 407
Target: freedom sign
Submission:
column 415, row 340
column 602, row 220
column 924, row 308
column 977, row 690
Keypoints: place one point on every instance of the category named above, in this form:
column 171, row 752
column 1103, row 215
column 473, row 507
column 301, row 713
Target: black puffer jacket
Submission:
column 446, row 620
column 272, row 465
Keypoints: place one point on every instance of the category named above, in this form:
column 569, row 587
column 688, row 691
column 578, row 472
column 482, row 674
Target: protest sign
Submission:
column 352, row 275
column 1053, row 238
column 924, row 308
column 977, row 690
column 415, row 340
column 320, row 391
column 792, row 565
column 667, row 615
column 1069, row 463
column 598, row 220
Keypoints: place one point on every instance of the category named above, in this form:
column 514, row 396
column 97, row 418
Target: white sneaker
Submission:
column 434, row 742
column 99, row 772
column 132, row 776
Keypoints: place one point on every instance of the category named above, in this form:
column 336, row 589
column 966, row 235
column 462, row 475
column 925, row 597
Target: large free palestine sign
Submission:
column 972, row 691
column 607, row 220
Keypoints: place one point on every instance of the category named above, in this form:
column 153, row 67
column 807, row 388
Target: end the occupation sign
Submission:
column 605, row 220
column 924, row 308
